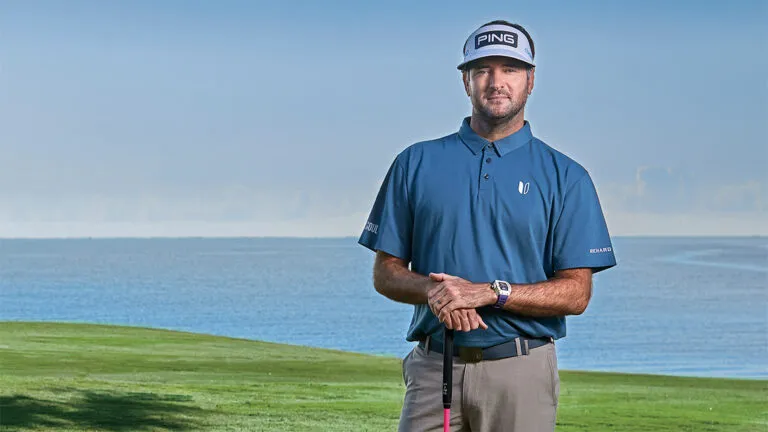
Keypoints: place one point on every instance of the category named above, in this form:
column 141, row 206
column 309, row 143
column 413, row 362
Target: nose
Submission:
column 494, row 79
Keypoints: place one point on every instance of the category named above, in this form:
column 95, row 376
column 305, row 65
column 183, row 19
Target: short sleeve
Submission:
column 390, row 223
column 580, row 235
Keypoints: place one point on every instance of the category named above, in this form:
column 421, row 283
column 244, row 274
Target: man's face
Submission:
column 498, row 86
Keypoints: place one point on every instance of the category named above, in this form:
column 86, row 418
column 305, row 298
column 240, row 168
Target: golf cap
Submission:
column 497, row 40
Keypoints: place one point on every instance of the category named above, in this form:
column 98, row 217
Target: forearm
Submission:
column 393, row 279
column 567, row 293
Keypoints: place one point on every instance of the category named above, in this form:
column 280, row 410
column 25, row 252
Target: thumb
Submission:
column 483, row 325
column 437, row 277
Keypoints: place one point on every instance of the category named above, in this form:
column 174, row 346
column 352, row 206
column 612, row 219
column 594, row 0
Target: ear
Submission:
column 532, row 76
column 465, row 79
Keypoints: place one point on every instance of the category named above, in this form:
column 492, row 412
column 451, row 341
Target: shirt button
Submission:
column 486, row 176
column 488, row 160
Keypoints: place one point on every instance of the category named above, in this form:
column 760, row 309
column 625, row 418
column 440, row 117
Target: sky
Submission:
column 247, row 118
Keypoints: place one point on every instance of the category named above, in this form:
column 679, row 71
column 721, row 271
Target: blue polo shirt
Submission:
column 515, row 209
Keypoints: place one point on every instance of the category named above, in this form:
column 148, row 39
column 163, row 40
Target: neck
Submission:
column 494, row 130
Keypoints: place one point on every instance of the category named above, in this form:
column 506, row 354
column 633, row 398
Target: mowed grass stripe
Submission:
column 84, row 377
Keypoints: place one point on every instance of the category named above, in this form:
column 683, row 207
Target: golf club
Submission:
column 447, row 378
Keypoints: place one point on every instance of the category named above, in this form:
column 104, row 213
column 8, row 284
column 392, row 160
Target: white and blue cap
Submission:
column 497, row 40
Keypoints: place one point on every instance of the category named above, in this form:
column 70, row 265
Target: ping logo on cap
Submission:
column 496, row 37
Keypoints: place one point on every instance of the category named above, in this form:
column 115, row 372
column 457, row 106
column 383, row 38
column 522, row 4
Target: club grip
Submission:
column 447, row 368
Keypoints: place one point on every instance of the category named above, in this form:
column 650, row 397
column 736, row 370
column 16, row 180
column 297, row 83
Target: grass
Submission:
column 83, row 377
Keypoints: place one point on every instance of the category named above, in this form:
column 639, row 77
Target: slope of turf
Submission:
column 82, row 377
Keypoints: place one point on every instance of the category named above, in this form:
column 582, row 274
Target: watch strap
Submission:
column 502, row 290
column 501, row 301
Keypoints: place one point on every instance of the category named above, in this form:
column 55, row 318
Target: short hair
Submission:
column 504, row 22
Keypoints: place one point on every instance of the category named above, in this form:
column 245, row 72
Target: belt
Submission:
column 515, row 347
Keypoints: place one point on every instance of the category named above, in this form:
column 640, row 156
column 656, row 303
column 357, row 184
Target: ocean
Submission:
column 677, row 306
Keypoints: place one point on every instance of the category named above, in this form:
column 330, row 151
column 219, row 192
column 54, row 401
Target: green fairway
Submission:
column 82, row 377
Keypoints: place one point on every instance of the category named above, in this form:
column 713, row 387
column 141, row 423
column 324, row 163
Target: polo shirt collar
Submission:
column 503, row 146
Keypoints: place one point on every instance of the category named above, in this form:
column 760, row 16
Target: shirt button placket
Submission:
column 485, row 175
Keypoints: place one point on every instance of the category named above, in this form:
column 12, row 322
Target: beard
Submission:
column 501, row 110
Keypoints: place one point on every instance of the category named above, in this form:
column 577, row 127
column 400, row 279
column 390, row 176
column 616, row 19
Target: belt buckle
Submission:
column 470, row 354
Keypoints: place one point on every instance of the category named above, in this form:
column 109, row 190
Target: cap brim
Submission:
column 494, row 53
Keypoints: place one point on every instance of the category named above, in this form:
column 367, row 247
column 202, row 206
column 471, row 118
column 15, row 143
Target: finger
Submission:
column 447, row 315
column 474, row 320
column 459, row 320
column 483, row 325
column 441, row 294
column 443, row 317
column 439, row 317
column 448, row 322
column 437, row 277
column 443, row 302
column 456, row 321
column 465, row 321
column 436, row 305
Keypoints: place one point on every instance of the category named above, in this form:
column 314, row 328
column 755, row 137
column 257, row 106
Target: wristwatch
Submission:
column 502, row 289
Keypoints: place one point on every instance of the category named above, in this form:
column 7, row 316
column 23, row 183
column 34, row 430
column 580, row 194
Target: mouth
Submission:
column 497, row 97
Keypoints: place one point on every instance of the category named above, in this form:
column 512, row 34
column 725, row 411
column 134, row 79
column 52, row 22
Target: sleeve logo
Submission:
column 372, row 227
column 600, row 250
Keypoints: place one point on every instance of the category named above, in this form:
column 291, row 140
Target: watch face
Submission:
column 503, row 287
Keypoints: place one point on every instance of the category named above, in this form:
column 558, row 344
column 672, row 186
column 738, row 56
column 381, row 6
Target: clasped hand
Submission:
column 453, row 300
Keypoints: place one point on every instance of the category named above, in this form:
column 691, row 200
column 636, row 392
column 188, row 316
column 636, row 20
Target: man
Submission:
column 502, row 234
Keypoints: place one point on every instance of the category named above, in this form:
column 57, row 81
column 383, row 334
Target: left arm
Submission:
column 578, row 252
column 566, row 293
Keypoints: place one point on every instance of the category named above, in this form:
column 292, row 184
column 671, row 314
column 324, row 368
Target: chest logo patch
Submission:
column 523, row 187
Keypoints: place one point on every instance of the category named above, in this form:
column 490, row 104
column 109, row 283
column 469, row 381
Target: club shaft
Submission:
column 447, row 368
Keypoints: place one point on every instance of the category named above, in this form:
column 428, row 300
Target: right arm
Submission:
column 389, row 227
column 393, row 279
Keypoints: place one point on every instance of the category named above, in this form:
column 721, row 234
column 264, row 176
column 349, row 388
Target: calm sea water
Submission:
column 681, row 306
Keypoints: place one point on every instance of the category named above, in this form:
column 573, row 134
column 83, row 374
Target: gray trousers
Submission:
column 514, row 394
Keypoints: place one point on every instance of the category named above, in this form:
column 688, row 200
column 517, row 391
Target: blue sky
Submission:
column 280, row 118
